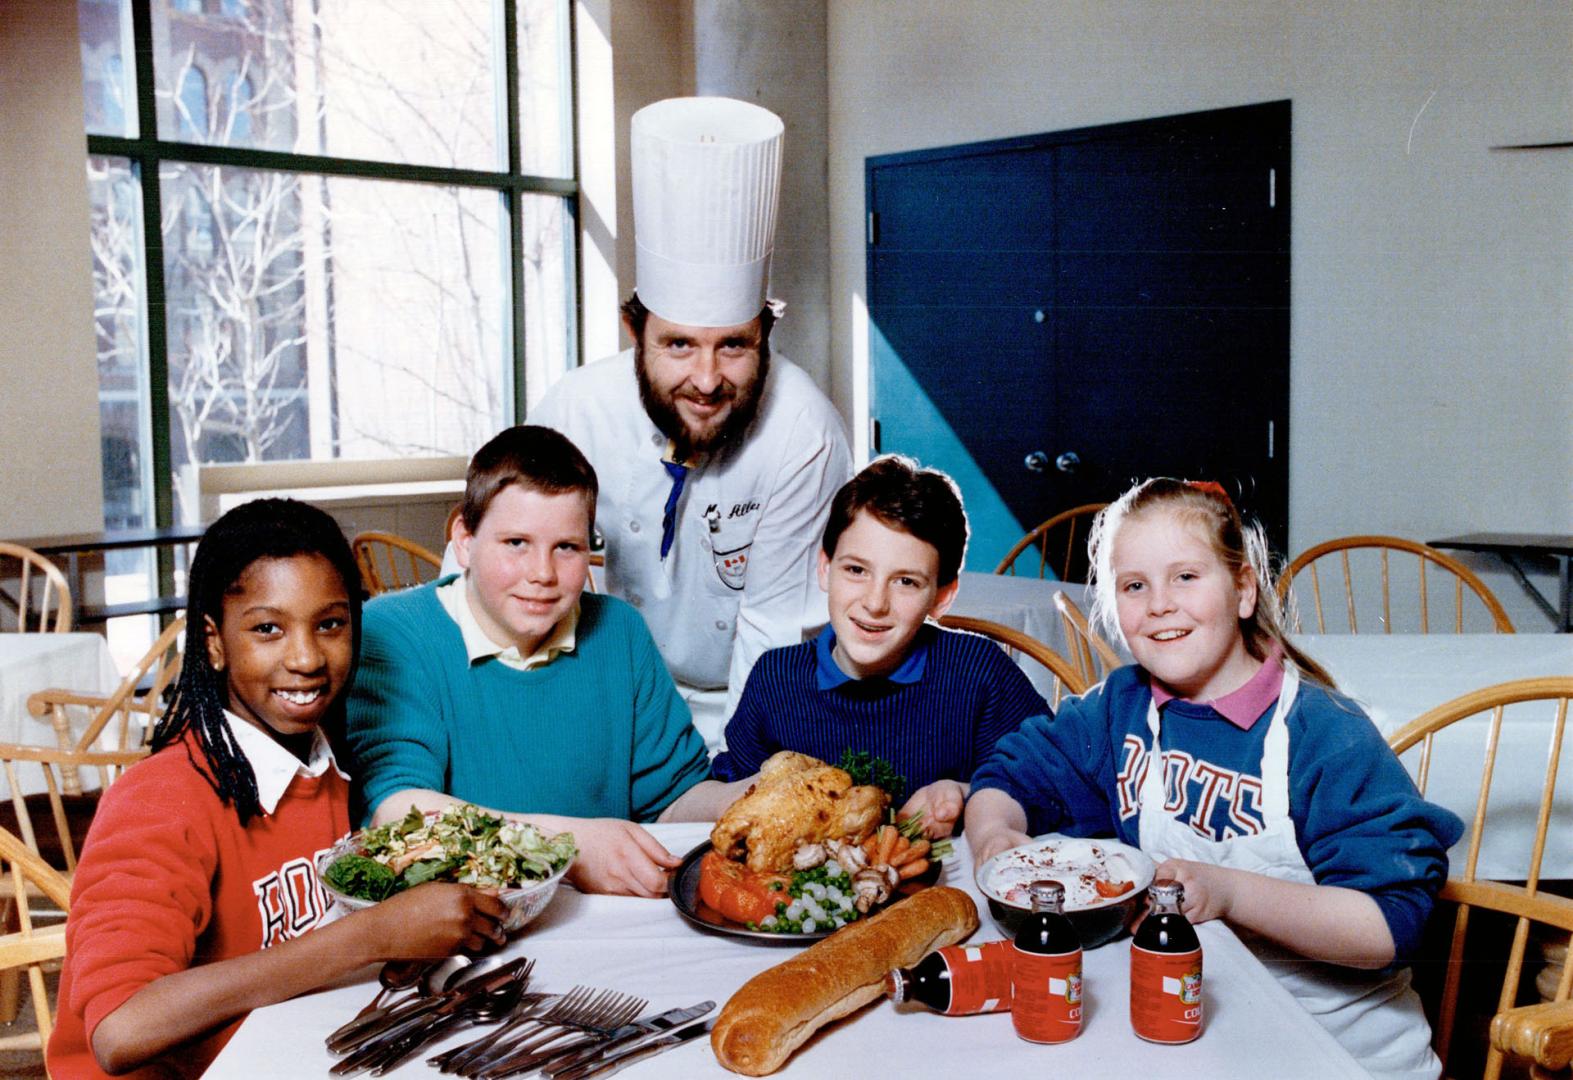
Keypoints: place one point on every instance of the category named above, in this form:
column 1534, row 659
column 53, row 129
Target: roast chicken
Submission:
column 797, row 800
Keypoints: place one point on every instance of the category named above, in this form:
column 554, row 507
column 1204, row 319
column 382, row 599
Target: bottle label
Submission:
column 1046, row 995
column 1166, row 995
column 979, row 977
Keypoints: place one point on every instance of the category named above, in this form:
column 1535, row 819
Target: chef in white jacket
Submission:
column 717, row 459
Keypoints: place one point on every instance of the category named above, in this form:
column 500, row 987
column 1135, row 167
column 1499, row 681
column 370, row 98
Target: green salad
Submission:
column 463, row 843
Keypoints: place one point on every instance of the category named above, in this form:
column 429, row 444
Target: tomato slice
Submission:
column 736, row 891
column 1113, row 888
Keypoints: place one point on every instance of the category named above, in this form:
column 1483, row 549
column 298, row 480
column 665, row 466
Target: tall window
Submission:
column 321, row 230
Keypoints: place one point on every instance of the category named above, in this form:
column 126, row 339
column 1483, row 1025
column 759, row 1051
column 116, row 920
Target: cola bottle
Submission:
column 1166, row 970
column 958, row 980
column 1045, row 970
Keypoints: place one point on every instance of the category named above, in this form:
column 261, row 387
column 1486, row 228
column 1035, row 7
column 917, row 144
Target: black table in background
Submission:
column 75, row 545
column 1510, row 548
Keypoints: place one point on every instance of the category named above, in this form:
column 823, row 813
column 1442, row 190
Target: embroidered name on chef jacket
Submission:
column 290, row 900
column 1217, row 802
column 731, row 560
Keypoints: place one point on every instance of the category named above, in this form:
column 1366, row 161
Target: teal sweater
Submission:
column 598, row 732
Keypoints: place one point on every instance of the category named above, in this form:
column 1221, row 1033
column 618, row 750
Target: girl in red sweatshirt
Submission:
column 197, row 883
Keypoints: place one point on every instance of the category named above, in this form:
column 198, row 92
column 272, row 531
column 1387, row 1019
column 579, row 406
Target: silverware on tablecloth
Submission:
column 468, row 995
column 396, row 975
column 436, row 979
column 601, row 1015
column 628, row 1055
column 590, row 1049
column 526, row 1011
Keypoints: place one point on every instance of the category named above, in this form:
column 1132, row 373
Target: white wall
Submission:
column 1432, row 298
column 49, row 441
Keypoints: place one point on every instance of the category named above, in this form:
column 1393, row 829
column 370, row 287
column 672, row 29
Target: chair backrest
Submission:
column 1093, row 657
column 1370, row 573
column 1525, row 903
column 121, row 721
column 70, row 812
column 1017, row 643
column 1055, row 543
column 31, row 947
column 388, row 562
column 34, row 594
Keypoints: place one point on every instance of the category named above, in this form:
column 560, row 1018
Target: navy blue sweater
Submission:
column 1358, row 819
column 937, row 716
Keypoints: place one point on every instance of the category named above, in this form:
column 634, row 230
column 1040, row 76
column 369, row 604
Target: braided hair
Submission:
column 262, row 529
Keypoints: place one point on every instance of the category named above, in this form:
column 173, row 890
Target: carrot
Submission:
column 911, row 869
column 910, row 851
column 870, row 844
column 898, row 854
column 887, row 844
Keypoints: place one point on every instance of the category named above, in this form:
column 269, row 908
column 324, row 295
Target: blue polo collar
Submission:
column 828, row 673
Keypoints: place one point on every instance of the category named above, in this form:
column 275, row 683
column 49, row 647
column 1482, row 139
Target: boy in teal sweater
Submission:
column 506, row 687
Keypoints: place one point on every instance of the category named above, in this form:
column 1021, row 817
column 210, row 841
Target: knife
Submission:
column 592, row 1049
column 628, row 1055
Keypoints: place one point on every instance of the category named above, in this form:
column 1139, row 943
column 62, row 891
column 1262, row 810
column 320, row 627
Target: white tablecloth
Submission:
column 1025, row 604
column 645, row 947
column 33, row 662
column 1399, row 676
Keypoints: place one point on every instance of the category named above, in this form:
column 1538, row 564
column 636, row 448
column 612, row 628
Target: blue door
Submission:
column 1057, row 315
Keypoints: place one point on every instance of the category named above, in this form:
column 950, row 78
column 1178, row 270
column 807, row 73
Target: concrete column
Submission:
column 773, row 53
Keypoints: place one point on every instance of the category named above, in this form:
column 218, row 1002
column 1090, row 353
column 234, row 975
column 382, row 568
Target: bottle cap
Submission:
column 1167, row 889
column 1046, row 894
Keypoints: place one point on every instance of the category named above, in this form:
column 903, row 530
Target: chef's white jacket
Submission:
column 741, row 575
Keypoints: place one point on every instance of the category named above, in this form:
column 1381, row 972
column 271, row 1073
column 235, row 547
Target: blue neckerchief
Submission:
column 828, row 673
column 679, row 475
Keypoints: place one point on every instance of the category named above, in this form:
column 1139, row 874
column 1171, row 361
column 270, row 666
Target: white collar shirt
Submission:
column 478, row 646
column 275, row 767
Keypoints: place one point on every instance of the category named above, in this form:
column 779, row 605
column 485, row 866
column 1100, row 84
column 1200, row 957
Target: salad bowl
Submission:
column 466, row 842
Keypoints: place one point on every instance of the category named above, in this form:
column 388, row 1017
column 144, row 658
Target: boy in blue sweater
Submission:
column 506, row 687
column 882, row 678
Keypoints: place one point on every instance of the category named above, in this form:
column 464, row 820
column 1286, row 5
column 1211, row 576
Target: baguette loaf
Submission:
column 777, row 1010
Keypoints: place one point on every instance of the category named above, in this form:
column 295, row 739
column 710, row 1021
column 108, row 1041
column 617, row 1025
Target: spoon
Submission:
column 394, row 976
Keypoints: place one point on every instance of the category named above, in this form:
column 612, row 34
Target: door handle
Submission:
column 1037, row 462
column 1068, row 462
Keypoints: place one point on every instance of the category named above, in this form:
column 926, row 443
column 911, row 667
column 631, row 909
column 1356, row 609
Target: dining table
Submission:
column 1397, row 677
column 1025, row 604
column 648, row 948
column 32, row 662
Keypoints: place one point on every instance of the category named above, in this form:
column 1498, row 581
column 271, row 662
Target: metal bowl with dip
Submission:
column 1089, row 869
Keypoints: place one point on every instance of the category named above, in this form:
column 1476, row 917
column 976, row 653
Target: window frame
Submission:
column 146, row 152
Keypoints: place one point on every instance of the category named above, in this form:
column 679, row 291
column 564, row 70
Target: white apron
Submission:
column 1376, row 1017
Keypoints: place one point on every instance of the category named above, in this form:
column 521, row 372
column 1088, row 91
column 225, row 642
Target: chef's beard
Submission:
column 688, row 444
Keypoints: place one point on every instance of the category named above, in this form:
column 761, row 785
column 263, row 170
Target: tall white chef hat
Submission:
column 707, row 181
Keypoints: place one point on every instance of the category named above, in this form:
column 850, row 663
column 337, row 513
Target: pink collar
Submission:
column 1245, row 706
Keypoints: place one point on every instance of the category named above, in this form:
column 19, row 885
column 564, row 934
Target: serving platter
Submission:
column 684, row 892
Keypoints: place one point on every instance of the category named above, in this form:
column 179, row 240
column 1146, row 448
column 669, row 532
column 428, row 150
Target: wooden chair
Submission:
column 30, row 948
column 139, row 698
column 1541, row 1035
column 1425, row 556
column 41, row 591
column 1015, row 642
column 1093, row 657
column 1046, row 538
column 388, row 562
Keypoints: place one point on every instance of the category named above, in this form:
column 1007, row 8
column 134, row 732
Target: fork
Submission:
column 473, row 1057
column 526, row 1011
column 606, row 1013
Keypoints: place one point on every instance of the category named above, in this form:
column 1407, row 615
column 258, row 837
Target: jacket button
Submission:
column 633, row 526
column 720, row 624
